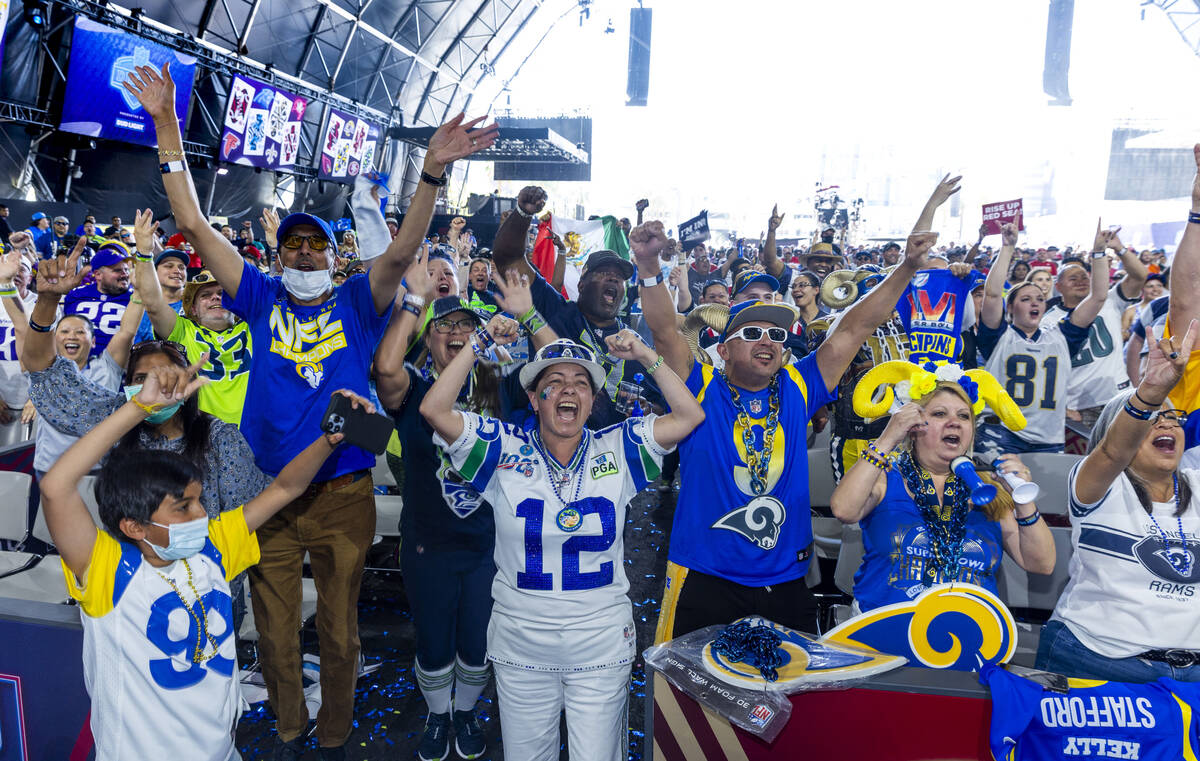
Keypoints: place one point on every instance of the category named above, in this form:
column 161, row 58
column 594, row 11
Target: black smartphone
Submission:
column 361, row 428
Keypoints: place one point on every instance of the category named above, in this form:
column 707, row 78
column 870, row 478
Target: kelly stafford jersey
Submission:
column 721, row 526
column 150, row 698
column 560, row 586
column 1098, row 367
column 1150, row 722
column 1124, row 570
column 1034, row 372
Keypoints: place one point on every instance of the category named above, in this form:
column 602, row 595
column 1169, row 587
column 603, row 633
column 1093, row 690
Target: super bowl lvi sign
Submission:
column 950, row 626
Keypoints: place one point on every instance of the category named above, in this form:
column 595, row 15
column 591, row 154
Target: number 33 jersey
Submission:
column 560, row 579
column 141, row 627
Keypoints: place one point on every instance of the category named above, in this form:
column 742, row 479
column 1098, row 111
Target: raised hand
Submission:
column 648, row 241
column 416, row 278
column 643, row 204
column 918, row 245
column 10, row 265
column 1009, row 231
column 906, row 421
column 776, row 218
column 514, row 295
column 627, row 344
column 983, row 231
column 62, row 274
column 1165, row 362
column 1104, row 238
column 532, row 199
column 457, row 139
column 270, row 224
column 22, row 241
column 947, row 187
column 503, row 330
column 167, row 384
column 144, row 228
column 155, row 90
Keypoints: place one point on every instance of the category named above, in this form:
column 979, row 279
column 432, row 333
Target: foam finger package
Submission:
column 746, row 670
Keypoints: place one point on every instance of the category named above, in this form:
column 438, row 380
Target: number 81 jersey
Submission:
column 559, row 552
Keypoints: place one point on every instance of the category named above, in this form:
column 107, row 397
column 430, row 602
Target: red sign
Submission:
column 997, row 214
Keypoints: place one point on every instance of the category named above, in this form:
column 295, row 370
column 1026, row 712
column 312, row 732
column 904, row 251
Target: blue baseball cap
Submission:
column 301, row 218
column 747, row 277
column 38, row 216
column 172, row 252
column 780, row 315
column 110, row 253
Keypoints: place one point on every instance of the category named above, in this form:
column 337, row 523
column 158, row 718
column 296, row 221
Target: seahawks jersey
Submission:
column 722, row 527
column 159, row 661
column 1034, row 372
column 1151, row 722
column 1097, row 368
column 1125, row 569
column 559, row 547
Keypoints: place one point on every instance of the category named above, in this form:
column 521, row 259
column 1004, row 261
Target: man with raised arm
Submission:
column 309, row 339
column 742, row 537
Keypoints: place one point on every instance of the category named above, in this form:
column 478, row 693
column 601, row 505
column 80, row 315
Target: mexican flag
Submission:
column 584, row 237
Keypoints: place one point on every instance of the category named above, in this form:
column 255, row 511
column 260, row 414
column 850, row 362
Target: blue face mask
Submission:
column 183, row 539
column 156, row 418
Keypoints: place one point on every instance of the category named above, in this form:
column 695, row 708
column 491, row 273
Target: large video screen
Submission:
column 349, row 146
column 262, row 125
column 96, row 104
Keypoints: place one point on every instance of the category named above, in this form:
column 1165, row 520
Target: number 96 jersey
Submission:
column 560, row 577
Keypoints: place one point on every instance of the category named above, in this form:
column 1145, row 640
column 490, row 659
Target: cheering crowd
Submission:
column 195, row 372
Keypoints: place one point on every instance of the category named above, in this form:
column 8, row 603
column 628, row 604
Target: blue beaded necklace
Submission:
column 1181, row 561
column 945, row 524
column 561, row 476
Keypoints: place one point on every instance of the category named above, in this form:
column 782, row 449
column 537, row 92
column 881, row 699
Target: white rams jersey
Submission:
column 560, row 586
column 1034, row 371
column 150, row 699
column 1098, row 369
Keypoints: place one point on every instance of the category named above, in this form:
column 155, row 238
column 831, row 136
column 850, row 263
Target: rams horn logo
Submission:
column 759, row 520
column 1173, row 562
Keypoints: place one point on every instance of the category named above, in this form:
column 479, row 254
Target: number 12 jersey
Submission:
column 560, row 587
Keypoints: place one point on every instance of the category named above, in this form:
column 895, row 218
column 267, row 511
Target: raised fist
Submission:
column 531, row 199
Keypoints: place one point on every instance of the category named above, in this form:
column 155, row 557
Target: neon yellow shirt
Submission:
column 227, row 368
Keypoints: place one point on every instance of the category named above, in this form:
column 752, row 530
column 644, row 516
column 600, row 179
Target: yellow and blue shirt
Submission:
column 721, row 528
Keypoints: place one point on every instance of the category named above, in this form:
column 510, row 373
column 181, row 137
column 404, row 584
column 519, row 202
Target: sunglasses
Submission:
column 315, row 242
column 566, row 350
column 754, row 333
column 444, row 326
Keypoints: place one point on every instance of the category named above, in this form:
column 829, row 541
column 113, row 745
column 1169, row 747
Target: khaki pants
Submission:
column 335, row 523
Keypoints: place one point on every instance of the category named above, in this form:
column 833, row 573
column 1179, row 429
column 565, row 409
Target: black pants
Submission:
column 707, row 600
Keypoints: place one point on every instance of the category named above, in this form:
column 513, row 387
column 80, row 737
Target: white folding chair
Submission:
column 388, row 508
column 820, row 478
column 1049, row 472
column 381, row 474
column 41, row 578
column 850, row 556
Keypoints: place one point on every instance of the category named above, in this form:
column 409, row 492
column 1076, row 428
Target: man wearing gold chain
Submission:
column 742, row 535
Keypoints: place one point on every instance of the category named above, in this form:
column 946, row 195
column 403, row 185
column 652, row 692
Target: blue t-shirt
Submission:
column 1151, row 722
column 145, row 331
column 302, row 354
column 897, row 547
column 103, row 310
column 720, row 527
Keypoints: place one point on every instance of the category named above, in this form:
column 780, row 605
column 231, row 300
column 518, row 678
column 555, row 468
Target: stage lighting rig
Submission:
column 37, row 14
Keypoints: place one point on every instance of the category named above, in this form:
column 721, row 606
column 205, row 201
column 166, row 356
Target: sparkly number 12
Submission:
column 572, row 579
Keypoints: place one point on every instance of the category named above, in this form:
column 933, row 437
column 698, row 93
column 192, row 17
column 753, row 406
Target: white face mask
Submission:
column 307, row 286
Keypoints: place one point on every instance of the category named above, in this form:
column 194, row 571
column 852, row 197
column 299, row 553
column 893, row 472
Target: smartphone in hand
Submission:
column 361, row 428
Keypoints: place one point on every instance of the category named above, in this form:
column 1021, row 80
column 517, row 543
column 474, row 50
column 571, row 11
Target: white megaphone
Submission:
column 1023, row 492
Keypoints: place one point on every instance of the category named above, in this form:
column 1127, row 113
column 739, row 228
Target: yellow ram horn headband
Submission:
column 903, row 382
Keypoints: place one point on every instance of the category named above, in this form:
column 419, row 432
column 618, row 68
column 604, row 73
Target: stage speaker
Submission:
column 1058, row 51
column 637, row 87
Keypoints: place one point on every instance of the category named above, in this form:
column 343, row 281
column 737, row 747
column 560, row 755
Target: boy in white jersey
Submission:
column 159, row 653
column 1098, row 369
column 1033, row 361
column 561, row 633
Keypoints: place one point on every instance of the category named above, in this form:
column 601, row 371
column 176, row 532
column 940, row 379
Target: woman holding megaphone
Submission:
column 927, row 518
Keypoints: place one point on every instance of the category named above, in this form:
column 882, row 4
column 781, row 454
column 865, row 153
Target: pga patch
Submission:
column 604, row 465
column 760, row 715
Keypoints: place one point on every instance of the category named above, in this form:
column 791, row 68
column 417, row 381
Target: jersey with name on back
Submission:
column 721, row 527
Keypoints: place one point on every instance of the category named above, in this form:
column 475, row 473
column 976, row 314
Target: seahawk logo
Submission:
column 759, row 520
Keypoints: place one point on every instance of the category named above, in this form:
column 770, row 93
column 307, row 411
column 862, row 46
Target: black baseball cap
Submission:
column 605, row 257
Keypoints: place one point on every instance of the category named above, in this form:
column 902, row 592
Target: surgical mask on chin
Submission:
column 154, row 418
column 183, row 539
column 307, row 286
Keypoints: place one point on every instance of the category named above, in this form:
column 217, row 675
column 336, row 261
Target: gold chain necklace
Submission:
column 201, row 619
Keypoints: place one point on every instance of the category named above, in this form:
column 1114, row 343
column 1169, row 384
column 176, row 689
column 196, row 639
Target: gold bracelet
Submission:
column 149, row 409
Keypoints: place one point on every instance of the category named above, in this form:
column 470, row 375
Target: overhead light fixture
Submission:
column 37, row 13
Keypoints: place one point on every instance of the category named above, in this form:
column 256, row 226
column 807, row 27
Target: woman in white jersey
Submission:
column 1129, row 612
column 561, row 633
column 1032, row 362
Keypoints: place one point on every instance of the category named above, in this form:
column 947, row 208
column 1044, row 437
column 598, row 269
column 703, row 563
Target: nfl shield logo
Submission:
column 756, row 406
column 760, row 715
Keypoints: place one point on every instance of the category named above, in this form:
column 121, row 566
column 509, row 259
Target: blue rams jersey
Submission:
column 721, row 528
column 1151, row 722
column 897, row 547
column 103, row 310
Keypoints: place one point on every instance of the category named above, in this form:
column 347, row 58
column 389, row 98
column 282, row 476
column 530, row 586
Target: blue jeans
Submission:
column 1004, row 441
column 1061, row 651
